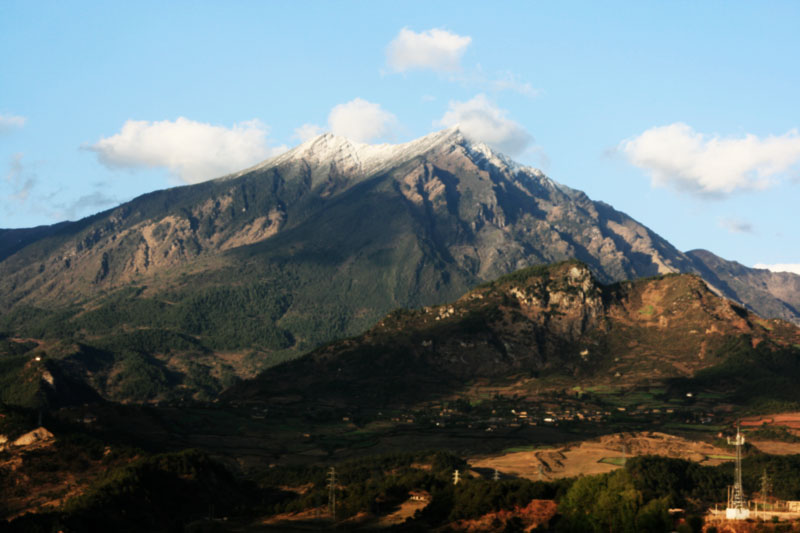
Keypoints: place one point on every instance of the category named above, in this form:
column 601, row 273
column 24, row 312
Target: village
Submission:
column 569, row 410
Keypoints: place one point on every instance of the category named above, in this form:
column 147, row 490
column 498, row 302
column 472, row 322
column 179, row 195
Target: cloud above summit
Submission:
column 482, row 121
column 435, row 49
column 793, row 268
column 361, row 121
column 358, row 120
column 192, row 151
column 708, row 165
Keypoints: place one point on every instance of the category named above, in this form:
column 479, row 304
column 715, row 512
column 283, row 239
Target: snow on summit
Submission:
column 365, row 159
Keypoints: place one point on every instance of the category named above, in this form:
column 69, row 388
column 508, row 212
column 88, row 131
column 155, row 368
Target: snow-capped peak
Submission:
column 365, row 159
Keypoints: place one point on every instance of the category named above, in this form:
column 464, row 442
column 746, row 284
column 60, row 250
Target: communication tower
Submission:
column 737, row 506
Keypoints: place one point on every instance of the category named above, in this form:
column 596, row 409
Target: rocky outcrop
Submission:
column 536, row 514
column 38, row 436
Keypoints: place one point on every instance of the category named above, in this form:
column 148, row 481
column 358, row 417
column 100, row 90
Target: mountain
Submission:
column 187, row 290
column 549, row 328
column 478, row 213
column 770, row 294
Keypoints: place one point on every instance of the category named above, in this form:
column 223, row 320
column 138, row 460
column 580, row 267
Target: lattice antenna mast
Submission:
column 766, row 487
column 737, row 498
column 332, row 492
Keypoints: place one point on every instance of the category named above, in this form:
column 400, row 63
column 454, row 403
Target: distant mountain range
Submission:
column 192, row 288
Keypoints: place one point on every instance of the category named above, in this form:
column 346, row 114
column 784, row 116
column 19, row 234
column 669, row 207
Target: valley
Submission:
column 573, row 390
column 281, row 442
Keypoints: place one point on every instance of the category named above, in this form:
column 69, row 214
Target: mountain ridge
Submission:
column 547, row 327
column 235, row 274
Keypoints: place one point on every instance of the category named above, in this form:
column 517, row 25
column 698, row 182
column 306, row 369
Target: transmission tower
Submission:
column 332, row 492
column 456, row 477
column 496, row 475
column 766, row 488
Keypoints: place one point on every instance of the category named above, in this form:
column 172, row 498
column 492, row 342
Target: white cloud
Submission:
column 736, row 225
column 679, row 157
column 9, row 122
column 84, row 206
column 482, row 121
column 361, row 121
column 508, row 81
column 26, row 197
column 308, row 131
column 192, row 151
column 435, row 49
column 781, row 267
column 19, row 180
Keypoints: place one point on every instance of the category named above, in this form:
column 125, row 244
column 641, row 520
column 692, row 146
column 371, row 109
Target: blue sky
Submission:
column 682, row 114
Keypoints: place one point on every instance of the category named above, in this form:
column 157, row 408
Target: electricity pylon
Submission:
column 332, row 492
